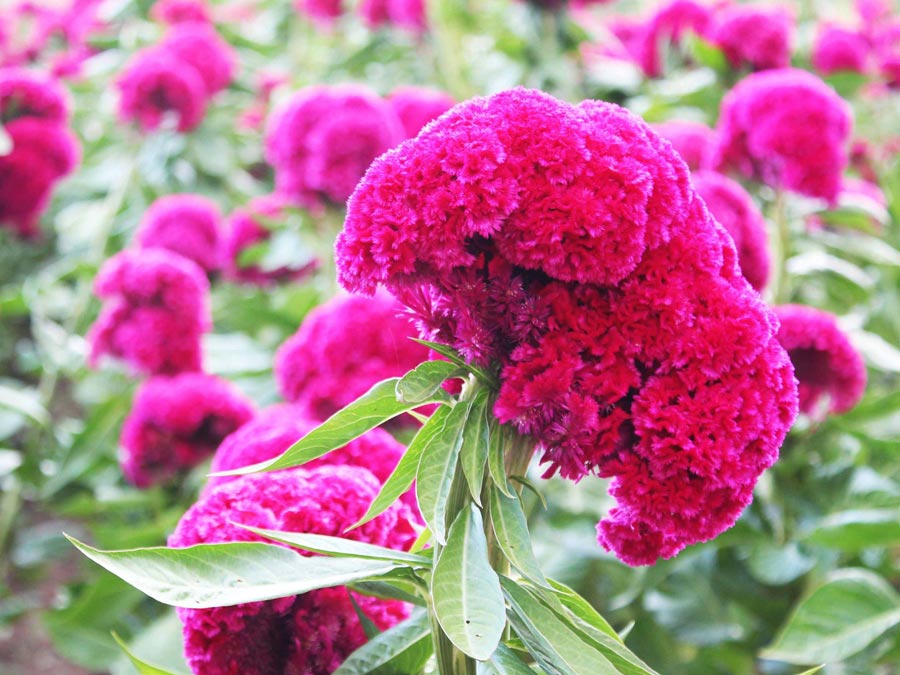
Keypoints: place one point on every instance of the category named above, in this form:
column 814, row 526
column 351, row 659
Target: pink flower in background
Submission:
column 666, row 28
column 787, row 129
column 198, row 46
column 694, row 141
column 24, row 93
column 309, row 634
column 314, row 371
column 323, row 12
column 154, row 85
column 181, row 11
column 831, row 372
column 838, row 49
column 323, row 139
column 733, row 208
column 564, row 247
column 177, row 422
column 407, row 14
column 417, row 106
column 186, row 224
column 753, row 35
column 155, row 310
column 244, row 229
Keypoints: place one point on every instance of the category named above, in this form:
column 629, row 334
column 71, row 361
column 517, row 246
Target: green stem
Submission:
column 782, row 290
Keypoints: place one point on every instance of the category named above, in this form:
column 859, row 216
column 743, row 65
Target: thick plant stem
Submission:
column 783, row 231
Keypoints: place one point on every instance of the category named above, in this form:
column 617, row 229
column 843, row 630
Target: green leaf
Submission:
column 368, row 626
column 812, row 671
column 142, row 667
column 858, row 529
column 404, row 473
column 837, row 619
column 556, row 646
column 339, row 547
column 468, row 601
column 511, row 530
column 25, row 402
column 475, row 443
column 219, row 575
column 454, row 357
column 370, row 410
column 388, row 590
column 582, row 609
column 505, row 662
column 401, row 650
column 497, row 459
column 437, row 467
column 425, row 381
column 529, row 484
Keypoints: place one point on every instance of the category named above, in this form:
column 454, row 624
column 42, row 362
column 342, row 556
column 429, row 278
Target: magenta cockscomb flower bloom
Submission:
column 42, row 153
column 565, row 248
column 787, row 129
column 309, row 634
column 838, row 49
column 695, row 142
column 24, row 93
column 417, row 106
column 732, row 206
column 245, row 228
column 323, row 140
column 156, row 308
column 198, row 46
column 666, row 28
column 276, row 429
column 177, row 422
column 756, row 36
column 406, row 14
column 154, row 85
column 315, row 372
column 186, row 224
column 831, row 372
column 322, row 12
column 181, row 11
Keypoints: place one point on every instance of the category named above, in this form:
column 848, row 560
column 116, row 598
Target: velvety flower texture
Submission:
column 787, row 129
column 417, row 106
column 839, row 49
column 323, row 140
column 177, row 422
column 155, row 311
column 309, row 634
column 755, row 36
column 315, row 369
column 407, row 14
column 694, row 141
column 732, row 206
column 277, row 428
column 564, row 247
column 831, row 372
column 186, row 224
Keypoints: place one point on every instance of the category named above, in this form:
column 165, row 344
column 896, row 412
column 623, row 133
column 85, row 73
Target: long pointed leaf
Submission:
column 497, row 459
column 474, row 450
column 141, row 666
column 400, row 650
column 424, row 382
column 511, row 530
column 505, row 662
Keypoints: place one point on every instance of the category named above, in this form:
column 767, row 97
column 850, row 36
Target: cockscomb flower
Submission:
column 666, row 28
column 156, row 308
column 309, row 634
column 186, row 224
column 245, row 228
column 314, row 371
column 831, row 372
column 180, row 11
column 323, row 139
column 24, row 93
column 565, row 248
column 177, row 422
column 695, row 142
column 733, row 208
column 406, row 14
column 198, row 46
column 417, row 106
column 322, row 12
column 838, row 49
column 154, row 85
column 755, row 36
column 276, row 429
column 787, row 129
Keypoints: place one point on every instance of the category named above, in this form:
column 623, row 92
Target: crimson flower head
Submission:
column 406, row 14
column 181, row 11
column 198, row 46
column 694, row 141
column 322, row 12
column 156, row 308
column 314, row 371
column 666, row 28
column 565, row 248
column 186, row 224
column 839, row 49
column 417, row 106
column 755, row 36
column 788, row 129
column 733, row 208
column 323, row 140
column 831, row 372
column 309, row 634
column 24, row 93
column 177, row 422
column 155, row 84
